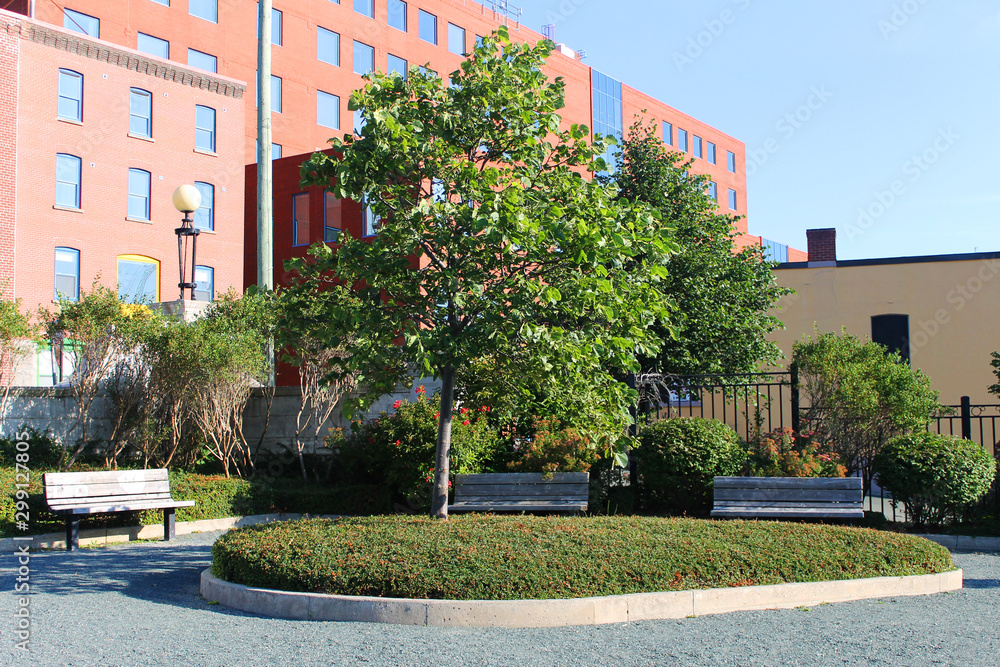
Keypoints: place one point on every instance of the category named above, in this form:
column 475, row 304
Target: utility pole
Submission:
column 265, row 201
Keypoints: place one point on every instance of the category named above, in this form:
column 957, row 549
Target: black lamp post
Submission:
column 187, row 199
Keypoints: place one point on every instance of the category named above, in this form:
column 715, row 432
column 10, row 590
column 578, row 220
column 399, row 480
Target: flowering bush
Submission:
column 785, row 453
column 397, row 448
column 554, row 449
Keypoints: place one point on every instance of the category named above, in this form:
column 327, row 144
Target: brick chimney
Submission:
column 822, row 244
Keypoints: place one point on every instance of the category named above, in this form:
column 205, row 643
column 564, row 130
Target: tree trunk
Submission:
column 439, row 501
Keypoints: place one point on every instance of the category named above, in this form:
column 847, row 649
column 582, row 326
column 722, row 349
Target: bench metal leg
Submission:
column 72, row 534
column 169, row 524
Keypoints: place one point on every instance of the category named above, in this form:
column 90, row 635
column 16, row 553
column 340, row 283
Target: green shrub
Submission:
column 936, row 476
column 44, row 451
column 397, row 448
column 677, row 459
column 554, row 448
column 490, row 557
column 785, row 453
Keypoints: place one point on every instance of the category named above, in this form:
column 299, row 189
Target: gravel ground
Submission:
column 139, row 604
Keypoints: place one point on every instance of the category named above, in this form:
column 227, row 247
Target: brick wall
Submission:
column 10, row 27
column 822, row 244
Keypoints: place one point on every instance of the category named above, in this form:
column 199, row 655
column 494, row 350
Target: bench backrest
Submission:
column 74, row 489
column 789, row 491
column 527, row 486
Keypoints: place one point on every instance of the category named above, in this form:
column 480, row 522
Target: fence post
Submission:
column 967, row 418
column 795, row 396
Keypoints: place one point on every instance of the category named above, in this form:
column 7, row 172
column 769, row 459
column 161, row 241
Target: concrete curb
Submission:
column 100, row 536
column 558, row 613
column 964, row 542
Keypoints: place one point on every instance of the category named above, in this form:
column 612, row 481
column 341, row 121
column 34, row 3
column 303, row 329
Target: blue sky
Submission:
column 880, row 118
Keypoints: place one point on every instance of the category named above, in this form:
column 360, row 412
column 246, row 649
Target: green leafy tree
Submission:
column 859, row 395
column 995, row 363
column 489, row 238
column 722, row 324
column 17, row 337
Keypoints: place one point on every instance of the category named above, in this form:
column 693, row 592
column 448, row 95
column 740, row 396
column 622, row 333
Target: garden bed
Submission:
column 486, row 557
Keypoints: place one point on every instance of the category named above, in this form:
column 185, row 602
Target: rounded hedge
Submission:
column 936, row 476
column 677, row 459
column 486, row 557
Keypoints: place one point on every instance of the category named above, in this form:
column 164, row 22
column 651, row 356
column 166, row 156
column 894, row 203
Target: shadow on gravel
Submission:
column 156, row 572
column 980, row 583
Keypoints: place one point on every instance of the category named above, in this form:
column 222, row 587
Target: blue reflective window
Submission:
column 138, row 194
column 731, row 161
column 328, row 46
column 456, row 39
column 275, row 151
column 82, row 23
column 366, row 7
column 204, row 278
column 67, row 180
column 275, row 92
column 711, row 153
column 70, row 104
column 332, row 217
column 276, row 28
column 682, row 140
column 428, row 27
column 204, row 9
column 607, row 112
column 205, row 61
column 300, row 219
column 67, row 274
column 732, row 199
column 327, row 109
column 364, row 58
column 698, row 146
column 204, row 128
column 140, row 112
column 398, row 65
column 397, row 15
column 668, row 134
column 204, row 217
column 713, row 190
column 154, row 46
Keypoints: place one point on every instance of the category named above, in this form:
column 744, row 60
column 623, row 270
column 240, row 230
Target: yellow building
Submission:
column 942, row 312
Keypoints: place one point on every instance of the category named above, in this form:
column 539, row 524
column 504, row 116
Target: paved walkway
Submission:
column 139, row 604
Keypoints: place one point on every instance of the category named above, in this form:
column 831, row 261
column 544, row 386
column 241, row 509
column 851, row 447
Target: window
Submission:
column 698, row 146
column 328, row 46
column 732, row 199
column 204, row 128
column 67, row 279
column 668, row 134
column 138, row 279
column 682, row 140
column 369, row 220
column 204, row 278
column 138, row 194
column 300, row 219
column 364, row 58
column 731, row 161
column 204, row 61
column 606, row 112
column 332, row 222
column 275, row 25
column 428, row 27
column 479, row 41
column 204, row 9
column 154, row 46
column 204, row 217
column 70, row 105
column 398, row 65
column 711, row 153
column 67, row 180
column 327, row 110
column 275, row 151
column 165, row 3
column 275, row 92
column 397, row 15
column 456, row 39
column 366, row 7
column 82, row 23
column 140, row 113
column 713, row 190
column 893, row 331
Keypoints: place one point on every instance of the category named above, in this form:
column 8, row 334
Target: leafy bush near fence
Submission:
column 785, row 453
column 677, row 460
column 554, row 448
column 490, row 557
column 936, row 476
column 43, row 450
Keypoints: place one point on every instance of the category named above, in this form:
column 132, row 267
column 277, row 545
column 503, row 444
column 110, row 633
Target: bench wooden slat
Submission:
column 523, row 506
column 522, row 478
column 107, row 508
column 778, row 503
column 542, row 489
column 764, row 496
column 91, row 500
column 521, row 492
column 106, row 476
column 105, row 490
column 789, row 482
column 788, row 497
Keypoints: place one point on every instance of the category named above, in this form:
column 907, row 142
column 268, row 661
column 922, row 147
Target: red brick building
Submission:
column 94, row 138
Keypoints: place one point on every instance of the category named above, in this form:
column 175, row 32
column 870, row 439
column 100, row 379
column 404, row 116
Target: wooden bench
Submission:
column 521, row 492
column 788, row 497
column 76, row 494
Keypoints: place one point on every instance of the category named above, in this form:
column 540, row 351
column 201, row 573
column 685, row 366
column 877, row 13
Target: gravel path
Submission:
column 139, row 604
